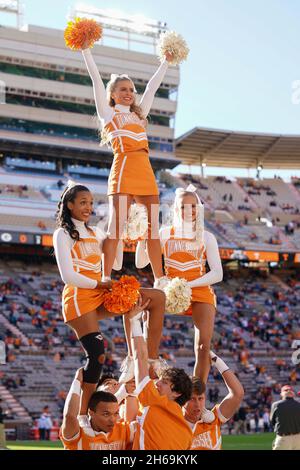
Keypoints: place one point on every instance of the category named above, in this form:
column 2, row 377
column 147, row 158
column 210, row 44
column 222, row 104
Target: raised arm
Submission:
column 214, row 261
column 104, row 111
column 138, row 343
column 62, row 247
column 70, row 424
column 235, row 395
column 152, row 87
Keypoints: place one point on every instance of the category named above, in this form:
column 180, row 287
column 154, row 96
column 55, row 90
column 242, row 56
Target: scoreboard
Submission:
column 45, row 240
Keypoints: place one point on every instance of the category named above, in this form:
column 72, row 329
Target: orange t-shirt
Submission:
column 161, row 425
column 207, row 436
column 120, row 438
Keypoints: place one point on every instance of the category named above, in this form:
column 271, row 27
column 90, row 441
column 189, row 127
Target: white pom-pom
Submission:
column 178, row 296
column 174, row 44
column 137, row 224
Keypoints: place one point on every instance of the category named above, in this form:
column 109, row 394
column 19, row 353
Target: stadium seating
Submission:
column 247, row 332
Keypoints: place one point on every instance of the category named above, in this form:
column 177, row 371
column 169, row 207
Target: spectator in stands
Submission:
column 43, row 424
column 266, row 419
column 216, row 393
column 48, row 423
column 240, row 427
column 41, row 225
column 2, row 428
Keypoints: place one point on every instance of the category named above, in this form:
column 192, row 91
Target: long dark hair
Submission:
column 63, row 213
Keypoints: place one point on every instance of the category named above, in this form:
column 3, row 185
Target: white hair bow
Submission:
column 70, row 185
column 190, row 188
column 124, row 76
column 114, row 77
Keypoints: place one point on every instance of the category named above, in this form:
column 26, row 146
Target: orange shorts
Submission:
column 132, row 173
column 204, row 295
column 77, row 302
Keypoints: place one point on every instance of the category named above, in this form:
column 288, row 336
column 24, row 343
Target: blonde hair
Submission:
column 177, row 217
column 134, row 108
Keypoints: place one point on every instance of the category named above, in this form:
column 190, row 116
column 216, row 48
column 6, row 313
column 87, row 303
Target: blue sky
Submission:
column 245, row 57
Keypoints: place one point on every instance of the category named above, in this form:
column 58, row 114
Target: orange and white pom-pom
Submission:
column 174, row 44
column 123, row 295
column 136, row 226
column 178, row 296
column 82, row 33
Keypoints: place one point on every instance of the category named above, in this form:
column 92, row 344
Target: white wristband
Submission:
column 83, row 421
column 136, row 328
column 145, row 331
column 121, row 394
column 219, row 363
column 75, row 387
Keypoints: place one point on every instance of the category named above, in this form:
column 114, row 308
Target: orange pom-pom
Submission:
column 123, row 296
column 82, row 33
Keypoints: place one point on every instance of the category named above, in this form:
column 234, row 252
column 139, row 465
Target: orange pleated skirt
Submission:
column 132, row 173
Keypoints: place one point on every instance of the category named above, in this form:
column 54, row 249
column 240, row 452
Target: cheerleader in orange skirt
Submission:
column 186, row 249
column 123, row 123
column 78, row 251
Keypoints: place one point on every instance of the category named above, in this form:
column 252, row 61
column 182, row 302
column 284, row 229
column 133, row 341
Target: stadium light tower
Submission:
column 134, row 29
column 14, row 7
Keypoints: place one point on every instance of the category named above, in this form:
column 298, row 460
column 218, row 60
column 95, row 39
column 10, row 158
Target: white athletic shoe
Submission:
column 161, row 283
column 207, row 416
column 127, row 369
column 158, row 365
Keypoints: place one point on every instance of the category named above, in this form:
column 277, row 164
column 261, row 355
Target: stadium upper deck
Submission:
column 47, row 105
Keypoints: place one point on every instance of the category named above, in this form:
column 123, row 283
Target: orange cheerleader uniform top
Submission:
column 186, row 258
column 79, row 263
column 207, row 436
column 161, row 426
column 120, row 438
column 131, row 172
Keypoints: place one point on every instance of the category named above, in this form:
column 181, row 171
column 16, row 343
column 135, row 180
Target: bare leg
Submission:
column 156, row 319
column 83, row 326
column 118, row 212
column 204, row 318
column 153, row 243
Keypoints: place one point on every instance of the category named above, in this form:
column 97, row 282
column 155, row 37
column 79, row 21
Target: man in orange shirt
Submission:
column 205, row 424
column 101, row 429
column 161, row 424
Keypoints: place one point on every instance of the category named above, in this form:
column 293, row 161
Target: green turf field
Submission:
column 248, row 442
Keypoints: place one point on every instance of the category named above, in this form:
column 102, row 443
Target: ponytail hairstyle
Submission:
column 134, row 108
column 178, row 221
column 63, row 213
